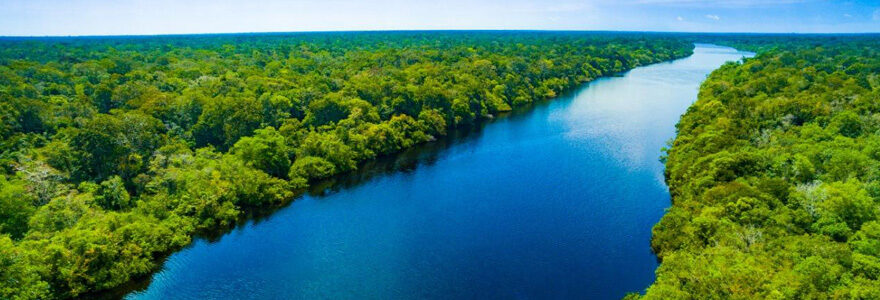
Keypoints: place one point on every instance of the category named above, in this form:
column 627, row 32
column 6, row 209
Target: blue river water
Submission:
column 554, row 202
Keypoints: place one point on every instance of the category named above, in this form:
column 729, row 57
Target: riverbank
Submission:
column 455, row 209
column 118, row 154
column 773, row 176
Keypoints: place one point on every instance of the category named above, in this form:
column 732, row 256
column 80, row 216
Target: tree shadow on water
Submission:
column 406, row 161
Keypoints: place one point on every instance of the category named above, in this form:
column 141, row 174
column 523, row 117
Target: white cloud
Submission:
column 877, row 14
column 679, row 18
column 566, row 7
column 721, row 3
column 847, row 15
column 713, row 17
column 557, row 8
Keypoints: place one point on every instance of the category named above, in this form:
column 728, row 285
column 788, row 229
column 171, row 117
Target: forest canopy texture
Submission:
column 115, row 151
column 775, row 177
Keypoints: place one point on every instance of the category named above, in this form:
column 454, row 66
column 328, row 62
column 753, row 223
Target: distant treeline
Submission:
column 775, row 176
column 117, row 150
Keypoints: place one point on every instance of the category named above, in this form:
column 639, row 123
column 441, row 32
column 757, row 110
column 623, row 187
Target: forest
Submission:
column 115, row 151
column 775, row 176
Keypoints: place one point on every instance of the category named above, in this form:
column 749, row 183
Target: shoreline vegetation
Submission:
column 116, row 151
column 774, row 177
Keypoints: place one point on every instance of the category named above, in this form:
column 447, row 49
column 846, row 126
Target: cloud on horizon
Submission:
column 125, row 17
column 723, row 3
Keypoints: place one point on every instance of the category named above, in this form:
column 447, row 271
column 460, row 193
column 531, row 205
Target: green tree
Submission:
column 16, row 207
column 310, row 167
column 266, row 150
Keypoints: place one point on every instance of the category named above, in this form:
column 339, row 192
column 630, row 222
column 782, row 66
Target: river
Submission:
column 554, row 202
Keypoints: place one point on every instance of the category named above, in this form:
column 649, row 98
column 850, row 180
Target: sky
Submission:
column 138, row 17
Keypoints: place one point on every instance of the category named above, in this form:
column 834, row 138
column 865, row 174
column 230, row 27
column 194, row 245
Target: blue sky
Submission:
column 92, row 17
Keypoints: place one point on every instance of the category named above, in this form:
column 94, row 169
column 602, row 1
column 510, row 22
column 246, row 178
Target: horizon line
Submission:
column 431, row 30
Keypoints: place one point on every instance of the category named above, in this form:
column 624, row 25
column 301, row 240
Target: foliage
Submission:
column 774, row 179
column 117, row 150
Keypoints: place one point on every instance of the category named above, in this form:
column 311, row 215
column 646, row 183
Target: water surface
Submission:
column 557, row 202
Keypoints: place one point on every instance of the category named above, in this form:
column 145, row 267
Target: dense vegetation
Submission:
column 775, row 177
column 115, row 151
